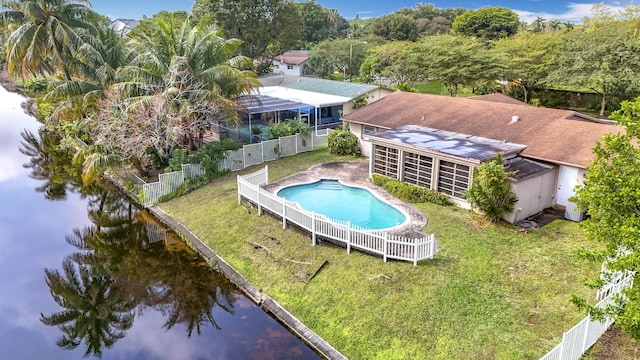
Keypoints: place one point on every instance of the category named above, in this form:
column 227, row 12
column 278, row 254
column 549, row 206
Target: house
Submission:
column 290, row 62
column 437, row 141
column 123, row 26
column 326, row 100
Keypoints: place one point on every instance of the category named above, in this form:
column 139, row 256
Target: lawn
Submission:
column 492, row 292
column 437, row 88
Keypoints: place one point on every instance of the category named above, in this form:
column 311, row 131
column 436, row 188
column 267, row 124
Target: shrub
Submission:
column 410, row 193
column 36, row 85
column 490, row 190
column 287, row 128
column 208, row 155
column 343, row 142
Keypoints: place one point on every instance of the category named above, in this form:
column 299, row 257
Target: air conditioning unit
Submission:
column 572, row 212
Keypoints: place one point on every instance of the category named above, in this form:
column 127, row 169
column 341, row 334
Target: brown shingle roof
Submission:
column 548, row 133
column 293, row 57
column 498, row 97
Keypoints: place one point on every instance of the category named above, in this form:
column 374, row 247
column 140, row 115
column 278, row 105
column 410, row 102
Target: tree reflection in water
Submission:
column 126, row 263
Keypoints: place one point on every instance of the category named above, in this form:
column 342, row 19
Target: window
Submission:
column 453, row 178
column 289, row 67
column 369, row 129
column 385, row 161
column 417, row 170
column 325, row 112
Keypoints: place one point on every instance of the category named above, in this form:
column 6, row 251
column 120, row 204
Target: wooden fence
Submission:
column 378, row 242
column 582, row 336
column 248, row 155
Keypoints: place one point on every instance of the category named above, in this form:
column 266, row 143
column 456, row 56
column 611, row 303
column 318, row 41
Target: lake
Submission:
column 83, row 271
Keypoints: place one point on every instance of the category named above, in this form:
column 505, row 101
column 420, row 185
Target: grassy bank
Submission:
column 492, row 291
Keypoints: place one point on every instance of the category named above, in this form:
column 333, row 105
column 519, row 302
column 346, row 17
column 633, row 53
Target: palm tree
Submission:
column 48, row 32
column 555, row 25
column 180, row 79
column 539, row 24
column 95, row 63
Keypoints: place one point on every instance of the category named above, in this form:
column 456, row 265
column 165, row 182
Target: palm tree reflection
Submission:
column 126, row 264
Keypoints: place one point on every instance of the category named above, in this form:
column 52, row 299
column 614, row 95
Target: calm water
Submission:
column 82, row 271
column 337, row 201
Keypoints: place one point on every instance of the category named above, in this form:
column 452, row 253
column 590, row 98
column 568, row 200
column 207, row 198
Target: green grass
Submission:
column 492, row 291
column 437, row 88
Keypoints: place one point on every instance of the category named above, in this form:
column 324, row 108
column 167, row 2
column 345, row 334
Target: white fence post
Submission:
column 385, row 246
column 313, row 229
column 239, row 193
column 266, row 174
column 284, row 214
column 259, row 202
column 432, row 246
column 349, row 240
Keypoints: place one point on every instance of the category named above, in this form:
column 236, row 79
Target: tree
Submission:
column 318, row 66
column 601, row 58
column 528, row 56
column 339, row 53
column 538, row 25
column 48, row 34
column 459, row 60
column 396, row 26
column 611, row 196
column 180, row 79
column 95, row 66
column 489, row 23
column 490, row 190
column 320, row 23
column 400, row 61
column 262, row 25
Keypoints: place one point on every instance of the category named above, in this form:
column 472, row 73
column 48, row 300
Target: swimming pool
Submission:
column 338, row 201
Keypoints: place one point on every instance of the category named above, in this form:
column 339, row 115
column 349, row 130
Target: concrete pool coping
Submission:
column 356, row 173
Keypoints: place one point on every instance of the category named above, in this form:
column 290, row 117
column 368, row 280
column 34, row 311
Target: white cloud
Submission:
column 575, row 13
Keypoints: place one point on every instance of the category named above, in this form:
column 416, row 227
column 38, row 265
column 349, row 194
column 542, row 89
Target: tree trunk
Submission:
column 603, row 104
column 526, row 94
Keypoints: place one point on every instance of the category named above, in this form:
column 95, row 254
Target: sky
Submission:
column 528, row 10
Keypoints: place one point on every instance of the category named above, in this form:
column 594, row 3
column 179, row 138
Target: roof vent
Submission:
column 514, row 119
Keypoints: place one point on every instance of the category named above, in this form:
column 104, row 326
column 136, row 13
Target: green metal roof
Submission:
column 329, row 87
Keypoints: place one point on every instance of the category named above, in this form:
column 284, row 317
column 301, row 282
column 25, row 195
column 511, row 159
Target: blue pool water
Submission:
column 341, row 202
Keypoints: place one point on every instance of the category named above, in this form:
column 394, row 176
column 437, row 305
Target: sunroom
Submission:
column 435, row 159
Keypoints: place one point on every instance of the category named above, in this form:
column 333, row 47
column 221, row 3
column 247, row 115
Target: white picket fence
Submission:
column 169, row 182
column 377, row 242
column 248, row 155
column 582, row 336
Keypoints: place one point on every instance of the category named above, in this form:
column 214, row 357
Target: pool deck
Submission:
column 356, row 173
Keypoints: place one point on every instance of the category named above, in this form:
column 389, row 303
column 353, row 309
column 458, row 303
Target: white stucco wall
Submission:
column 280, row 68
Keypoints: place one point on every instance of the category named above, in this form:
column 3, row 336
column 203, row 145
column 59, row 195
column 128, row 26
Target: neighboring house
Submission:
column 290, row 62
column 437, row 141
column 328, row 99
column 123, row 26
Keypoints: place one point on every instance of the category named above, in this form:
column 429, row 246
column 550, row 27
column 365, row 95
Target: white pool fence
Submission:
column 248, row 155
column 377, row 242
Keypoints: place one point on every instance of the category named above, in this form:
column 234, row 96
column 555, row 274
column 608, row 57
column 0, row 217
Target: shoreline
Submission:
column 268, row 304
column 218, row 263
